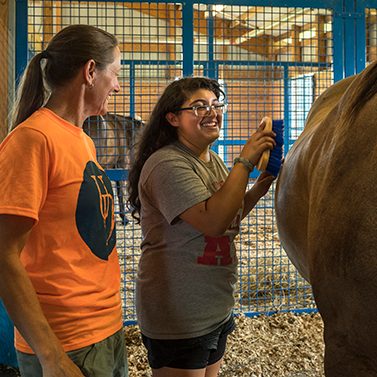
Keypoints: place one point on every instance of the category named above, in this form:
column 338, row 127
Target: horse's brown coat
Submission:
column 326, row 209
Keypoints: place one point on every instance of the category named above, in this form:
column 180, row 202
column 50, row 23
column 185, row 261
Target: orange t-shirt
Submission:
column 49, row 173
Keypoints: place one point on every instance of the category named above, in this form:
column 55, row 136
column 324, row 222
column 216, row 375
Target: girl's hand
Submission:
column 258, row 143
column 262, row 184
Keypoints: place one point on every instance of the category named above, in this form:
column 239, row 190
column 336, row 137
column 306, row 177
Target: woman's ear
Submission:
column 172, row 119
column 90, row 72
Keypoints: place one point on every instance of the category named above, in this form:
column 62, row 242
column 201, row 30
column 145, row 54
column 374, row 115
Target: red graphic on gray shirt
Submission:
column 216, row 252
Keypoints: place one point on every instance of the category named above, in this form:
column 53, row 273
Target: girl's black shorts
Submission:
column 192, row 353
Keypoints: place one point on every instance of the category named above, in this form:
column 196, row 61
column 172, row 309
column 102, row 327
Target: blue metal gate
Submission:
column 273, row 58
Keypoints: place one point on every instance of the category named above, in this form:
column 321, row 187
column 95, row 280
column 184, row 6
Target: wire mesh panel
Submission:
column 150, row 40
column 371, row 35
column 269, row 60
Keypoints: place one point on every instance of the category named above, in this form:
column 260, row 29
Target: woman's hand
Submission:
column 258, row 143
column 65, row 368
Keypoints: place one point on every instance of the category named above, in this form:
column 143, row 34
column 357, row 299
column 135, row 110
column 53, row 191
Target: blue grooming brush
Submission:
column 276, row 155
column 270, row 161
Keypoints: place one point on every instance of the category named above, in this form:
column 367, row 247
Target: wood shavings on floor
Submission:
column 282, row 345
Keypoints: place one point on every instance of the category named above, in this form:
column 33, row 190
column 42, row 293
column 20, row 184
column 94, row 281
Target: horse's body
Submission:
column 326, row 208
column 114, row 136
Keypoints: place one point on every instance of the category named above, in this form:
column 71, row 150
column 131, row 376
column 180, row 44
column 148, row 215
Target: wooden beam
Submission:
column 260, row 45
column 48, row 22
column 58, row 16
column 273, row 25
column 244, row 18
column 223, row 56
column 143, row 47
column 171, row 47
column 4, row 68
column 295, row 46
column 222, row 28
column 321, row 40
column 157, row 10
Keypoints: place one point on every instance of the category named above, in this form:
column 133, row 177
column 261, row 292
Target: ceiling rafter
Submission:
column 244, row 18
column 222, row 28
column 273, row 25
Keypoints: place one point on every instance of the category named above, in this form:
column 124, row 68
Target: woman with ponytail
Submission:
column 60, row 276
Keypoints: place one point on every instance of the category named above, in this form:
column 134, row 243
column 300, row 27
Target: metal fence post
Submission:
column 188, row 38
column 7, row 350
column 21, row 37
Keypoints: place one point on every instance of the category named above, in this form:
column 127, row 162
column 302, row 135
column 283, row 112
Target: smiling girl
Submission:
column 190, row 207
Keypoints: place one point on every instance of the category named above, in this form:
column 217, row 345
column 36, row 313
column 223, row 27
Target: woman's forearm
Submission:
column 23, row 307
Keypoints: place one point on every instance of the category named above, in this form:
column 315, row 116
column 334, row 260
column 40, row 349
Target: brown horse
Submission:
column 326, row 209
column 114, row 136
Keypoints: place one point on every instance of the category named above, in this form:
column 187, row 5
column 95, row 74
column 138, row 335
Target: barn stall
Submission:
column 270, row 60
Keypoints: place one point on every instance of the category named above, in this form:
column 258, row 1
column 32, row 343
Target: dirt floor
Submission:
column 282, row 345
column 6, row 371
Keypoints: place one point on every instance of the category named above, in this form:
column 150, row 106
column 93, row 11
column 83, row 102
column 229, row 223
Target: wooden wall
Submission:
column 4, row 67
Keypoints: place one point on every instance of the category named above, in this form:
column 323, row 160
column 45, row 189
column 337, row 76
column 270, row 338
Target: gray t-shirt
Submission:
column 186, row 280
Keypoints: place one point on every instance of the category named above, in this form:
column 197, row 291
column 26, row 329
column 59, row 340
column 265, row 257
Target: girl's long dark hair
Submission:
column 158, row 132
column 66, row 52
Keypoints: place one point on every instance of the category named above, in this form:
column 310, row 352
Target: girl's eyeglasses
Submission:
column 204, row 110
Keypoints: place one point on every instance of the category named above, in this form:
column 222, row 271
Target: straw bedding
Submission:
column 283, row 345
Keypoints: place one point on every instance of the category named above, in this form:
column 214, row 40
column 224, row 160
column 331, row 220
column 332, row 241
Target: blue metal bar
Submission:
column 287, row 119
column 349, row 33
column 150, row 61
column 273, row 63
column 117, row 174
column 129, row 323
column 21, row 38
column 273, row 312
column 360, row 37
column 338, row 43
column 122, row 174
column 224, row 135
column 211, row 44
column 188, row 38
column 349, row 38
column 7, row 351
column 210, row 67
column 205, row 68
column 132, row 89
column 368, row 3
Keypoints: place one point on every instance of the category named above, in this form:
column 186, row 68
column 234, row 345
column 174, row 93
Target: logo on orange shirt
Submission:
column 95, row 212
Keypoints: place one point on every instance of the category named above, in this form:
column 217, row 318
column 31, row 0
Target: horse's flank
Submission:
column 326, row 210
column 333, row 143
